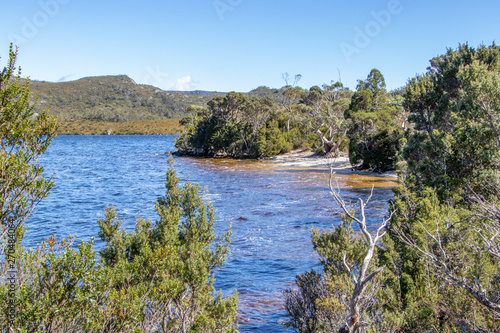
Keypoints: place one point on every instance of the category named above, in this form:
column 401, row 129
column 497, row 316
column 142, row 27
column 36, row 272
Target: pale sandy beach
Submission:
column 306, row 159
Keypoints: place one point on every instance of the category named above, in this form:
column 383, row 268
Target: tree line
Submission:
column 368, row 122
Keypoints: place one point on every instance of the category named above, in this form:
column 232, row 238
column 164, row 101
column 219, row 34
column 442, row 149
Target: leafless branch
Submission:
column 361, row 278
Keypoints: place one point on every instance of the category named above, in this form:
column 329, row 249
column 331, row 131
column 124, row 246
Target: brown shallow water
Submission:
column 273, row 207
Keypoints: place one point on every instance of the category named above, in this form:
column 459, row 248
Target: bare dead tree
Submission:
column 329, row 145
column 361, row 277
column 290, row 95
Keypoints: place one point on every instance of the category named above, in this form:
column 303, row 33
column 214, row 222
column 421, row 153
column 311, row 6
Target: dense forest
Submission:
column 431, row 265
column 368, row 122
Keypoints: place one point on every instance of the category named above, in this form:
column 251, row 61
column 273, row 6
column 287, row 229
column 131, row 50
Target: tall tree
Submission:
column 455, row 110
column 376, row 127
column 25, row 137
column 290, row 95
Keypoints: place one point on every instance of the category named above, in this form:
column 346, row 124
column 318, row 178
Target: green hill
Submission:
column 113, row 98
column 119, row 99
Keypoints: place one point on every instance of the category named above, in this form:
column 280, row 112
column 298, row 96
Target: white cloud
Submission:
column 183, row 83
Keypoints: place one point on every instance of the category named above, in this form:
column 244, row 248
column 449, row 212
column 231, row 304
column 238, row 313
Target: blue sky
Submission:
column 238, row 45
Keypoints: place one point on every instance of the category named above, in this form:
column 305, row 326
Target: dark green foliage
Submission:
column 236, row 126
column 455, row 107
column 428, row 295
column 377, row 125
column 438, row 250
column 219, row 129
column 303, row 305
column 273, row 138
column 442, row 255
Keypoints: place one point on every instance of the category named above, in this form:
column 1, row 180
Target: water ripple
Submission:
column 271, row 209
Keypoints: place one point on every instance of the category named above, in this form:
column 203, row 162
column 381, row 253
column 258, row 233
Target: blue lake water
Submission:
column 271, row 207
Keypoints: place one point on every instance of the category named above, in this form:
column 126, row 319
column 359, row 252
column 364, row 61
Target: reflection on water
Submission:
column 271, row 207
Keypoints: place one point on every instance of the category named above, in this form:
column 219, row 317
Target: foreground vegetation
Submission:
column 432, row 264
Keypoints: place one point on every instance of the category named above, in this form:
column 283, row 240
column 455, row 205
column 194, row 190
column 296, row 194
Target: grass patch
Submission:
column 139, row 127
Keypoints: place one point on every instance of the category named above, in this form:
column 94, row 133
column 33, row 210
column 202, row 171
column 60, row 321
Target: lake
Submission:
column 272, row 209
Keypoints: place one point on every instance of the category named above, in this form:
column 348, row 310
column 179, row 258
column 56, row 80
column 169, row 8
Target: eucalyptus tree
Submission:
column 323, row 110
column 290, row 95
column 376, row 125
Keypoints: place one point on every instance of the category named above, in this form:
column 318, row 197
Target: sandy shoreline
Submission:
column 301, row 159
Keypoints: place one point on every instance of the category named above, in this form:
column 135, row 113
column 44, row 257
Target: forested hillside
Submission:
column 119, row 99
column 113, row 98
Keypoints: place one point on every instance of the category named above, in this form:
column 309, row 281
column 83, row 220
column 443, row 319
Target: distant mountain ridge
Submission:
column 119, row 98
column 196, row 92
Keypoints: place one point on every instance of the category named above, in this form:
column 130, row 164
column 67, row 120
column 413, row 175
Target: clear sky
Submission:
column 238, row 45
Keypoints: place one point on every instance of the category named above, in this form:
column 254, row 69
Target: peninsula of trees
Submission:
column 368, row 122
